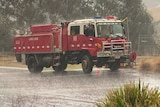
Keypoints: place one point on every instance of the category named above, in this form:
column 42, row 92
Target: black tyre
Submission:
column 61, row 67
column 114, row 66
column 33, row 67
column 87, row 64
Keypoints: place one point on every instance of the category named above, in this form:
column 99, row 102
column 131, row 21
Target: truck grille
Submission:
column 115, row 48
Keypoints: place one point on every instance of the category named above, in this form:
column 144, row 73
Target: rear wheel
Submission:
column 62, row 65
column 87, row 64
column 114, row 66
column 33, row 67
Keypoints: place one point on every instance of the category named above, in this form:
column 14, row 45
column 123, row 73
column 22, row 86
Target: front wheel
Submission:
column 33, row 67
column 114, row 66
column 87, row 64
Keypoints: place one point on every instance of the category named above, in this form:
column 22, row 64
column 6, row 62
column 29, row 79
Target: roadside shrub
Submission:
column 145, row 66
column 152, row 64
column 132, row 95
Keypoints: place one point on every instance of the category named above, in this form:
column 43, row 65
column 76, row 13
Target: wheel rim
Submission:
column 87, row 64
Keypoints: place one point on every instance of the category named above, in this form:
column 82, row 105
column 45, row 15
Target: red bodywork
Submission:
column 47, row 38
column 33, row 44
column 80, row 41
column 44, row 39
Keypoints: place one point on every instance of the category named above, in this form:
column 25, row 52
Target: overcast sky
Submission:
column 152, row 3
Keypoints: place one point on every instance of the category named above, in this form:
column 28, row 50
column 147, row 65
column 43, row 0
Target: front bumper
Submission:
column 113, row 54
column 115, row 49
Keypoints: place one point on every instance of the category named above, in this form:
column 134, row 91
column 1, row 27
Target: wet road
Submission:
column 19, row 88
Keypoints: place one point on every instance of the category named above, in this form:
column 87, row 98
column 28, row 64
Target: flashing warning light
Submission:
column 111, row 17
column 97, row 17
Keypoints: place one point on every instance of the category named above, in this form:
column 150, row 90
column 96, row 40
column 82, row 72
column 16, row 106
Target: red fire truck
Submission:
column 91, row 42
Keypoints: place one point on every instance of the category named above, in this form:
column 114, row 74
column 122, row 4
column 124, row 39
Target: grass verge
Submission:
column 132, row 95
column 150, row 64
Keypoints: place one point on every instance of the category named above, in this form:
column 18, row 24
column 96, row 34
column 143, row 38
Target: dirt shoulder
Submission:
column 10, row 61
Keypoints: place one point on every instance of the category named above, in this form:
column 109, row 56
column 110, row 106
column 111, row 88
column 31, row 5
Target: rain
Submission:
column 74, row 85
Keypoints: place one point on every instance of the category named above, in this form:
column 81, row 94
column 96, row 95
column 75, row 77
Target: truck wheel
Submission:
column 114, row 66
column 33, row 67
column 61, row 67
column 87, row 64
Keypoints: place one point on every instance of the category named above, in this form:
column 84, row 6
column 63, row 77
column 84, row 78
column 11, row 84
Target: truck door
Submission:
column 73, row 38
column 89, row 39
column 81, row 37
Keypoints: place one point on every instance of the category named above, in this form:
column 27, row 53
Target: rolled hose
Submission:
column 133, row 56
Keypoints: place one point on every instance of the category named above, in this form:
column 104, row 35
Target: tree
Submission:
column 5, row 41
column 23, row 13
column 67, row 10
column 17, row 15
column 140, row 22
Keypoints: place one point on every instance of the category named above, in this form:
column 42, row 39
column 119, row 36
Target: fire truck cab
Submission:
column 91, row 42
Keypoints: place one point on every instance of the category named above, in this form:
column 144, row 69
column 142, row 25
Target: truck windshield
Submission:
column 112, row 30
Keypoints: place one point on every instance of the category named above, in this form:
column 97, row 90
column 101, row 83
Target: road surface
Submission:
column 19, row 88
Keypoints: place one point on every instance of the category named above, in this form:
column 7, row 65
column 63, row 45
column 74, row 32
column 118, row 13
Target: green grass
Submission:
column 132, row 95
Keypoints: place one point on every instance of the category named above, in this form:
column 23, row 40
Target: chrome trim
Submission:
column 116, row 49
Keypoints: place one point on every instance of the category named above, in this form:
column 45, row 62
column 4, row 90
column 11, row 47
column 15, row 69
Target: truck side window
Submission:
column 75, row 30
column 89, row 30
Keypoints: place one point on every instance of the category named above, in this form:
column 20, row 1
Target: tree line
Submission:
column 20, row 14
